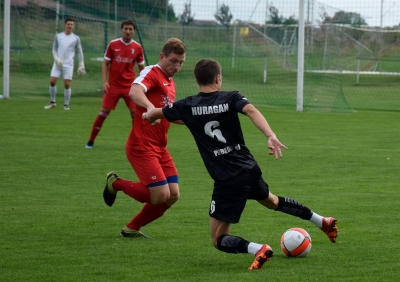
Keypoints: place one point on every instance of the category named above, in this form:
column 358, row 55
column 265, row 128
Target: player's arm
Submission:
column 157, row 113
column 141, row 67
column 261, row 123
column 105, row 68
column 178, row 122
column 153, row 115
column 81, row 63
column 137, row 94
column 57, row 59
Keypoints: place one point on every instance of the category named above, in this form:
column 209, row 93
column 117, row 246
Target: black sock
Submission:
column 292, row 207
column 232, row 244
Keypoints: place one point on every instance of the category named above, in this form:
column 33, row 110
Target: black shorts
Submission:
column 230, row 196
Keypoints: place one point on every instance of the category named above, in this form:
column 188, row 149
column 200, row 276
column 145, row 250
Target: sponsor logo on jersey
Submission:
column 209, row 110
column 226, row 150
column 120, row 59
column 166, row 101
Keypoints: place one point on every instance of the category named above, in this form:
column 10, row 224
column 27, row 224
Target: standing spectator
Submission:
column 146, row 148
column 212, row 118
column 65, row 45
column 118, row 73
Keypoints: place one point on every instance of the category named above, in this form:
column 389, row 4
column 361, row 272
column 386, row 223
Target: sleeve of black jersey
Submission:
column 240, row 101
column 175, row 112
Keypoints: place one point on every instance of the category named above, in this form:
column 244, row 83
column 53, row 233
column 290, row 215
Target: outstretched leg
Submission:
column 292, row 207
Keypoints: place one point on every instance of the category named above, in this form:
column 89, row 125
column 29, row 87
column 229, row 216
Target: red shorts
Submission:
column 150, row 167
column 111, row 98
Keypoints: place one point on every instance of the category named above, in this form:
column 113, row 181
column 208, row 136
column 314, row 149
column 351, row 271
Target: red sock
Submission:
column 98, row 123
column 148, row 214
column 135, row 190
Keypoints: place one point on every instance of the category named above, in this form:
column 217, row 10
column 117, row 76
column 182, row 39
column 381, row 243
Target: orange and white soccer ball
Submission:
column 296, row 242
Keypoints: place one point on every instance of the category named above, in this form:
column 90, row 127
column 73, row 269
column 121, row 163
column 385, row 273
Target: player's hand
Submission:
column 81, row 71
column 105, row 87
column 147, row 116
column 59, row 62
column 275, row 147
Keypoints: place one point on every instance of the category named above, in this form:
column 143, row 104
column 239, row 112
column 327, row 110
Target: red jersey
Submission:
column 161, row 91
column 123, row 57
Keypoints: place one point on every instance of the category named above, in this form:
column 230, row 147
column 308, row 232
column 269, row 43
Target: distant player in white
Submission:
column 65, row 45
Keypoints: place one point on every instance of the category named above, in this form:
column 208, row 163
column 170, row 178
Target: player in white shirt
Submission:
column 65, row 45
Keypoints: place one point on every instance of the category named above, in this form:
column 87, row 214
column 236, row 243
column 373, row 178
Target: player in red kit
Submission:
column 146, row 148
column 118, row 73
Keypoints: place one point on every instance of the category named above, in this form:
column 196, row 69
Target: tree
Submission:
column 186, row 17
column 291, row 20
column 274, row 15
column 342, row 17
column 223, row 16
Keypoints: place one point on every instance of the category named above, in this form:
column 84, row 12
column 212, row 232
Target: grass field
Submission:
column 55, row 226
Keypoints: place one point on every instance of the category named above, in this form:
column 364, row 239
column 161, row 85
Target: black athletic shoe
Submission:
column 89, row 145
column 109, row 194
column 132, row 233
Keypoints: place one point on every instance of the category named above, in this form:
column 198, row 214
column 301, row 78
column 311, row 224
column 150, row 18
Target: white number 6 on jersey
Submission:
column 210, row 130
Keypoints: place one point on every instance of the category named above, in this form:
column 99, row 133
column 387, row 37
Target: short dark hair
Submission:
column 68, row 20
column 128, row 22
column 174, row 45
column 206, row 70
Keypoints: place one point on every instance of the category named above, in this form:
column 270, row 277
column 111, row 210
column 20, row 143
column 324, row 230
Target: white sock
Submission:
column 253, row 248
column 67, row 96
column 53, row 93
column 316, row 219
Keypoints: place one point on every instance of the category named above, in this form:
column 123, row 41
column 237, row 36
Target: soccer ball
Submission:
column 296, row 242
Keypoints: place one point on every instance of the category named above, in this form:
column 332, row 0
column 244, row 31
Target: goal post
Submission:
column 6, row 50
column 300, row 59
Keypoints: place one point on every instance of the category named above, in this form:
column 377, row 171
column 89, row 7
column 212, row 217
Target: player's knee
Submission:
column 160, row 197
column 158, row 200
column 272, row 201
column 173, row 199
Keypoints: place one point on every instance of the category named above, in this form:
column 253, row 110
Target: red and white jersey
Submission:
column 161, row 91
column 123, row 57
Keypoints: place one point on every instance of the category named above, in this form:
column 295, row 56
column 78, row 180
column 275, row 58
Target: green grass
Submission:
column 55, row 227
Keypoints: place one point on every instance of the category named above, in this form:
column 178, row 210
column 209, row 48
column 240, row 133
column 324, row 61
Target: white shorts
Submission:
column 65, row 71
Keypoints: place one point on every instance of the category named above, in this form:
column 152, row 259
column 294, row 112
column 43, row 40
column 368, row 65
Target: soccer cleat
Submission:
column 132, row 233
column 109, row 194
column 89, row 145
column 263, row 255
column 329, row 228
column 66, row 107
column 50, row 105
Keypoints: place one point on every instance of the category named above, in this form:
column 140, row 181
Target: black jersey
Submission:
column 213, row 120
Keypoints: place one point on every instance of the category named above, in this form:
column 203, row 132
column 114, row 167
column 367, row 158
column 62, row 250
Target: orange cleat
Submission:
column 329, row 228
column 263, row 255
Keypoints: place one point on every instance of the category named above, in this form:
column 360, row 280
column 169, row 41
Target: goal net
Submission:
column 349, row 62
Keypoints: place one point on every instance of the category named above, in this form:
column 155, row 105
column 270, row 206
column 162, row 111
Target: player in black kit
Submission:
column 212, row 118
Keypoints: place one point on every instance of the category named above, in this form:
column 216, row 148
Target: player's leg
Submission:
column 67, row 93
column 162, row 196
column 97, row 125
column 228, row 201
column 110, row 101
column 54, row 75
column 292, row 207
column 67, row 72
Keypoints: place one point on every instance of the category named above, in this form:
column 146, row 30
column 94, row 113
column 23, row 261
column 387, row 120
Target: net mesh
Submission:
column 352, row 56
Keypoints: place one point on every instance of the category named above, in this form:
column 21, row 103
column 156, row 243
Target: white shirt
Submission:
column 65, row 46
